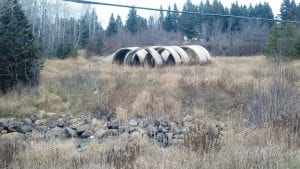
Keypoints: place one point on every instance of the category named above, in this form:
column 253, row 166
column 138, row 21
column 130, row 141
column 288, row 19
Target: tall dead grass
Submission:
column 245, row 112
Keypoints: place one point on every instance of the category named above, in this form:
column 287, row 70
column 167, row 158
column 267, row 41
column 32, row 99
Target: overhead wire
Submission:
column 182, row 12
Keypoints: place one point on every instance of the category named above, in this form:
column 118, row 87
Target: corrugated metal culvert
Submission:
column 156, row 56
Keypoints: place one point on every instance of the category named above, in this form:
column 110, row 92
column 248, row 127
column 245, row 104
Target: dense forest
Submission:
column 61, row 34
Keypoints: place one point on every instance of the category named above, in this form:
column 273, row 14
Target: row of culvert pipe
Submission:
column 156, row 56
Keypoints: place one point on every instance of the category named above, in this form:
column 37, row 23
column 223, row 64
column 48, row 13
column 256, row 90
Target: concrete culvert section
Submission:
column 169, row 55
column 119, row 56
column 183, row 55
column 135, row 57
column 153, row 58
column 197, row 52
column 205, row 51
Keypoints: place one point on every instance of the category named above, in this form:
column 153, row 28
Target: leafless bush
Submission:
column 122, row 158
column 8, row 153
column 249, row 41
column 144, row 38
column 204, row 137
column 272, row 97
column 207, row 91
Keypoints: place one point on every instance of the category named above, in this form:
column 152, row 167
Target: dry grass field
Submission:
column 255, row 99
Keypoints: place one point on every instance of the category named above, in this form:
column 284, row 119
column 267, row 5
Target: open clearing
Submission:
column 254, row 101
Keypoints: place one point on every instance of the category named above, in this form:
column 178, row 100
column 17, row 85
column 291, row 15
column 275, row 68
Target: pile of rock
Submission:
column 96, row 127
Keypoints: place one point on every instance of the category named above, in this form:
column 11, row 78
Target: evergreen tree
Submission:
column 187, row 22
column 284, row 9
column 176, row 16
column 262, row 11
column 132, row 21
column 20, row 62
column 298, row 12
column 66, row 50
column 151, row 23
column 141, row 24
column 236, row 9
column 293, row 10
column 282, row 41
column 161, row 18
column 84, row 34
column 112, row 27
column 296, row 50
column 168, row 23
column 119, row 23
column 273, row 44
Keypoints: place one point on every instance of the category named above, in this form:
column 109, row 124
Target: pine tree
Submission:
column 20, row 62
column 84, row 34
column 283, row 41
column 119, row 23
column 298, row 12
column 112, row 27
column 141, row 24
column 187, row 22
column 168, row 23
column 284, row 9
column 296, row 51
column 151, row 23
column 273, row 44
column 176, row 16
column 161, row 18
column 132, row 21
column 293, row 10
column 66, row 50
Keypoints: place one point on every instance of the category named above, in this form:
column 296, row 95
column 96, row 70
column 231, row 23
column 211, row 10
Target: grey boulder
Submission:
column 24, row 128
column 70, row 133
column 86, row 134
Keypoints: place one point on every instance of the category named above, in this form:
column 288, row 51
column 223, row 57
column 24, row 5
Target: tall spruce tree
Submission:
column 132, row 21
column 20, row 62
column 168, row 23
column 296, row 50
column 161, row 18
column 112, row 27
column 284, row 9
column 151, row 23
column 187, row 22
column 84, row 34
column 119, row 23
column 141, row 24
column 176, row 16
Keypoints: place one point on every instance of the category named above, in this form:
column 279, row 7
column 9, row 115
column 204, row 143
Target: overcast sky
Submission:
column 104, row 12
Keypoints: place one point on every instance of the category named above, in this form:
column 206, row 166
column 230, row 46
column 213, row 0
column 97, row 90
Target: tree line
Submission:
column 33, row 30
column 61, row 35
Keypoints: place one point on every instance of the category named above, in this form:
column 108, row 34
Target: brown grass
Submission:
column 252, row 98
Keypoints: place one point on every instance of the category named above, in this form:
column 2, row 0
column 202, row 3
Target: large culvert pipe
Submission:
column 183, row 55
column 119, row 56
column 135, row 57
column 205, row 51
column 153, row 58
column 169, row 55
column 197, row 52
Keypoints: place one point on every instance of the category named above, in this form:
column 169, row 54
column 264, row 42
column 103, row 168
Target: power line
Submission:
column 182, row 12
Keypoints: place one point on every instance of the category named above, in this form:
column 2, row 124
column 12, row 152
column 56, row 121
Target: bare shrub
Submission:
column 204, row 137
column 247, row 42
column 207, row 91
column 272, row 96
column 144, row 38
column 8, row 153
column 122, row 158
